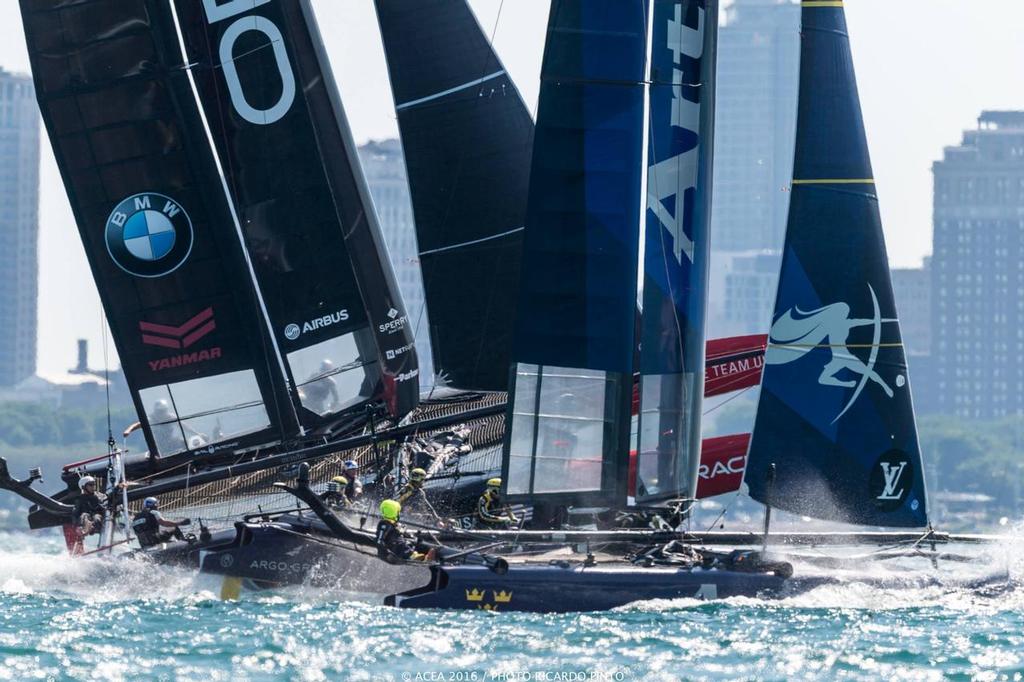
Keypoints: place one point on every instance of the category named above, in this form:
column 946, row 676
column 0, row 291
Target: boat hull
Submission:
column 554, row 588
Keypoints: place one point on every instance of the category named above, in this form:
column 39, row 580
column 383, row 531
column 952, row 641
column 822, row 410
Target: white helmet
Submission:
column 85, row 480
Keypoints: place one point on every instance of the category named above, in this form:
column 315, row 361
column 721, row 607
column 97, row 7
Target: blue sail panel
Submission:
column 680, row 141
column 835, row 416
column 573, row 348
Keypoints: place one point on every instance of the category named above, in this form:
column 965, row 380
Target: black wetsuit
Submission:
column 146, row 526
column 354, row 489
column 490, row 513
column 334, row 499
column 392, row 546
column 93, row 506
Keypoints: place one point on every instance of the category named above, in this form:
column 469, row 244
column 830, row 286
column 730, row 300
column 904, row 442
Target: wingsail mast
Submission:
column 573, row 350
column 835, row 417
column 676, row 239
column 156, row 227
column 291, row 165
column 467, row 137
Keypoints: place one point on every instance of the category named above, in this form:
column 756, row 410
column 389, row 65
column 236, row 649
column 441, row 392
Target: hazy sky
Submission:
column 925, row 69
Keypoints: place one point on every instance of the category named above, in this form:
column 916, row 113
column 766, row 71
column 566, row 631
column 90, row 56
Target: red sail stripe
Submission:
column 177, row 332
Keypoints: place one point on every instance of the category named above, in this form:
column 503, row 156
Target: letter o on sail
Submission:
column 238, row 100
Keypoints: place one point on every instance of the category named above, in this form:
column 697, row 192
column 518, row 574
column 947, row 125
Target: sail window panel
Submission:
column 192, row 414
column 333, row 375
column 559, row 428
column 667, row 452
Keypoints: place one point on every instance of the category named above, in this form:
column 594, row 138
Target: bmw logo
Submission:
column 149, row 235
column 292, row 332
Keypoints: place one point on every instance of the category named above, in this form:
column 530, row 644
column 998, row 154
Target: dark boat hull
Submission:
column 553, row 588
column 289, row 551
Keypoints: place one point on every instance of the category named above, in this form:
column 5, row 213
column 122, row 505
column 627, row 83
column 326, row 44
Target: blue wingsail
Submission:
column 574, row 340
column 680, row 141
column 835, row 416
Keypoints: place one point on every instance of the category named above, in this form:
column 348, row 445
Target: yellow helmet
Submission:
column 390, row 509
column 418, row 474
column 340, row 480
column 494, row 483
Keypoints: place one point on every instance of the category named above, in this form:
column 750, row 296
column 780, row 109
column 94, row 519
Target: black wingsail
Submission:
column 155, row 224
column 835, row 417
column 467, row 137
column 311, row 230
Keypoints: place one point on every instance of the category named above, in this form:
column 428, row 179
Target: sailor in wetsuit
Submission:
column 353, row 488
column 392, row 546
column 90, row 507
column 334, row 497
column 489, row 510
column 149, row 520
column 412, row 491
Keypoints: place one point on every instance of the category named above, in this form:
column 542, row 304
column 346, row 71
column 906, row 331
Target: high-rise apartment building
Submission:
column 384, row 166
column 912, row 288
column 978, row 270
column 755, row 132
column 755, row 124
column 19, row 227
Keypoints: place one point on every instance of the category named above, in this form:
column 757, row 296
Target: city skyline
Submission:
column 918, row 97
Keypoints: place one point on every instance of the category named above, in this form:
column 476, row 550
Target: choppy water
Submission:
column 117, row 620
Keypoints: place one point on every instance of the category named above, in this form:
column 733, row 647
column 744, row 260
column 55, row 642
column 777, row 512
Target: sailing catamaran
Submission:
column 228, row 226
column 835, row 437
column 318, row 332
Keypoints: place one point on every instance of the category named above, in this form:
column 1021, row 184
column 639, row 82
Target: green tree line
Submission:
column 43, row 424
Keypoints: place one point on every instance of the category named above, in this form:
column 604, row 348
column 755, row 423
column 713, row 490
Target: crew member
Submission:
column 413, row 490
column 148, row 522
column 335, row 496
column 392, row 545
column 489, row 510
column 354, row 488
column 320, row 394
column 90, row 507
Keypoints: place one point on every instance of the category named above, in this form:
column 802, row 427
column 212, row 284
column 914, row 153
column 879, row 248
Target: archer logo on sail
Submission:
column 796, row 333
column 181, row 337
column 148, row 235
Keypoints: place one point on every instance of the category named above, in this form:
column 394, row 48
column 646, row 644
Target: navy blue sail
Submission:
column 288, row 155
column 467, row 137
column 677, row 244
column 157, row 229
column 573, row 349
column 835, row 414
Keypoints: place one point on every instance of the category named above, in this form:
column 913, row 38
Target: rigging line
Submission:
column 106, row 377
column 726, row 402
column 722, row 514
column 450, row 247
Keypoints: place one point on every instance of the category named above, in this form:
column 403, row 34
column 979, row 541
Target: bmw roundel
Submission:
column 149, row 235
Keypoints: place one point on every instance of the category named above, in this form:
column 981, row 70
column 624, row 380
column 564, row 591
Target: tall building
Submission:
column 384, row 166
column 978, row 270
column 748, row 280
column 19, row 227
column 912, row 288
column 755, row 132
column 755, row 123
